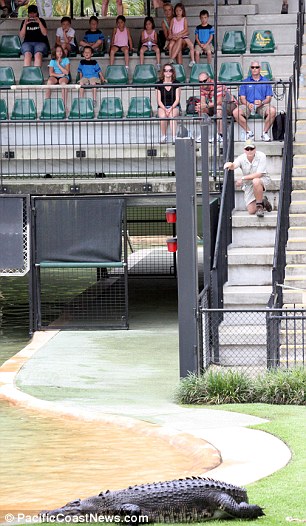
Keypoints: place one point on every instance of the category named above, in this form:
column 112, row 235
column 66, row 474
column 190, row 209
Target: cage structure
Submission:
column 14, row 235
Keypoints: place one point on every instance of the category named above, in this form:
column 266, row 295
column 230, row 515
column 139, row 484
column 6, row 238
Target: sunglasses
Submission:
column 167, row 70
column 255, row 67
column 249, row 149
column 203, row 81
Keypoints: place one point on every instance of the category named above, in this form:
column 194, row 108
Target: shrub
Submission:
column 275, row 386
column 215, row 387
column 279, row 386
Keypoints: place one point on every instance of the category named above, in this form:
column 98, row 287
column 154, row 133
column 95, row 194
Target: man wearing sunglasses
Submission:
column 254, row 180
column 255, row 97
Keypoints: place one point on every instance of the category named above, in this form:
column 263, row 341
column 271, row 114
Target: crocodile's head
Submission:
column 76, row 507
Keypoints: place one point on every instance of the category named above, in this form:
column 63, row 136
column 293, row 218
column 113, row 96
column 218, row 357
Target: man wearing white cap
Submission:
column 254, row 180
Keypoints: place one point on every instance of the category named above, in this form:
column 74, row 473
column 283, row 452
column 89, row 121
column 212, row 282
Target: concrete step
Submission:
column 296, row 257
column 250, row 255
column 294, row 297
column 298, row 207
column 296, row 243
column 298, row 282
column 299, row 160
column 248, row 229
column 299, row 183
column 243, row 355
column 297, row 231
column 295, row 270
column 297, row 219
column 242, row 219
column 298, row 195
column 293, row 355
column 250, row 296
column 271, row 195
column 250, row 265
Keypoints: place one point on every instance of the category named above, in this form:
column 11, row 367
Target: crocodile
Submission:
column 182, row 500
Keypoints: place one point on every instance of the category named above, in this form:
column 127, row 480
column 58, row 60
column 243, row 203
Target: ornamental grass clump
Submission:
column 279, row 386
column 215, row 387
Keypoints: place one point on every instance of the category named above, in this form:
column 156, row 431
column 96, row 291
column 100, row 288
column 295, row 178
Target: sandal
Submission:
column 284, row 10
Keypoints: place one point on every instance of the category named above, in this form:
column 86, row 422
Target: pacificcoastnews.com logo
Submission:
column 24, row 518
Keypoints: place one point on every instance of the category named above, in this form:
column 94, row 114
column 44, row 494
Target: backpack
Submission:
column 191, row 105
column 278, row 128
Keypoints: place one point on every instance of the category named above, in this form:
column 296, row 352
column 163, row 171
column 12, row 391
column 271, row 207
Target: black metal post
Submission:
column 187, row 261
column 205, row 206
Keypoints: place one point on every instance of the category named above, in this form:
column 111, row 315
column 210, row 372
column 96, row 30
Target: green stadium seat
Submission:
column 10, row 46
column 144, row 74
column 31, row 75
column 262, row 41
column 234, row 43
column 111, row 108
column 53, row 109
column 179, row 72
column 7, row 77
column 230, row 72
column 116, row 75
column 3, row 110
column 81, row 109
column 139, row 107
column 265, row 70
column 24, row 109
column 200, row 68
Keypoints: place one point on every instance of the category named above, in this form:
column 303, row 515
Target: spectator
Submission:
column 204, row 34
column 11, row 8
column 255, row 97
column 179, row 36
column 254, row 179
column 33, row 32
column 168, row 101
column 93, row 37
column 284, row 10
column 59, row 71
column 165, row 25
column 44, row 7
column 65, row 36
column 105, row 7
column 149, row 41
column 121, row 40
column 206, row 104
column 90, row 73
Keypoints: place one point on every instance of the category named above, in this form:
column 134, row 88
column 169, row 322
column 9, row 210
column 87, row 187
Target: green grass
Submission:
column 282, row 494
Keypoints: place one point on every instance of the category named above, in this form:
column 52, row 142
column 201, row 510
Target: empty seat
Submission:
column 139, row 107
column 200, row 68
column 31, row 75
column 10, row 46
column 230, row 72
column 116, row 75
column 111, row 108
column 262, row 41
column 53, row 109
column 7, row 77
column 144, row 74
column 81, row 109
column 24, row 109
column 234, row 43
column 179, row 72
column 265, row 70
column 3, row 110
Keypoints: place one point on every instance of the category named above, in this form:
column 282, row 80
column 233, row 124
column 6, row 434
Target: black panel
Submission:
column 11, row 233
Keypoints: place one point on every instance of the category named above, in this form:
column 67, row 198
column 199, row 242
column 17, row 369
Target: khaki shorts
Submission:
column 85, row 81
column 201, row 51
column 259, row 111
column 247, row 187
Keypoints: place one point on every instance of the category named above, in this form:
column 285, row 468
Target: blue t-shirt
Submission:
column 89, row 68
column 92, row 36
column 204, row 33
column 53, row 64
column 252, row 90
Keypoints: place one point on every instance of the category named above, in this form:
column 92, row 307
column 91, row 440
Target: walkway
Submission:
column 129, row 378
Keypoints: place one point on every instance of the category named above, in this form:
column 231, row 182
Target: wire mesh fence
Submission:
column 252, row 340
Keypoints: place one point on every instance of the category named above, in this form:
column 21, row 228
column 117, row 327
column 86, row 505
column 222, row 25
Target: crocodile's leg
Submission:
column 227, row 504
column 130, row 510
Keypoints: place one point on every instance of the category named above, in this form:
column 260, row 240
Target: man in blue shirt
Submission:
column 255, row 97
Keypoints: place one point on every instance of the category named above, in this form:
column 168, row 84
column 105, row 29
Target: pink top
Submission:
column 121, row 38
column 178, row 25
column 150, row 37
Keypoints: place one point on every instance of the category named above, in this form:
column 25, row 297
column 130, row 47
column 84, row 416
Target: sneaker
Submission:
column 249, row 135
column 266, row 204
column 158, row 67
column 127, row 68
column 191, row 63
column 265, row 137
column 163, row 139
column 260, row 210
column 220, row 139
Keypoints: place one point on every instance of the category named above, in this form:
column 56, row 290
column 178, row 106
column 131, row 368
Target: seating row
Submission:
column 143, row 74
column 81, row 108
column 234, row 43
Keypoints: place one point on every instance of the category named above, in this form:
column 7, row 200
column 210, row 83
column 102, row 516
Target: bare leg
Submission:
column 105, row 7
column 240, row 118
column 163, row 123
column 173, row 124
column 51, row 81
column 197, row 57
column 113, row 50
column 27, row 59
column 64, row 91
column 269, row 118
column 191, row 47
column 38, row 59
column 126, row 56
column 157, row 52
column 141, row 54
column 119, row 7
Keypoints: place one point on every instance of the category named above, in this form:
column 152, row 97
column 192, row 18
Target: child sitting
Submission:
column 90, row 72
column 121, row 40
column 204, row 34
column 93, row 37
column 149, row 41
column 59, row 71
column 164, row 34
column 179, row 35
column 65, row 36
